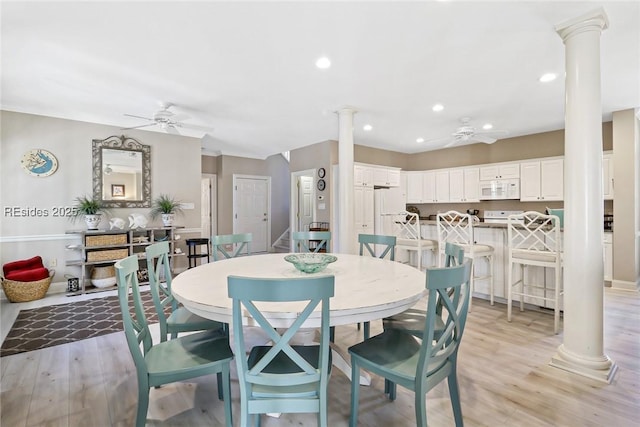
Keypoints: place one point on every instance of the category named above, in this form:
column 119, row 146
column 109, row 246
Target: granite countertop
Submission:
column 480, row 224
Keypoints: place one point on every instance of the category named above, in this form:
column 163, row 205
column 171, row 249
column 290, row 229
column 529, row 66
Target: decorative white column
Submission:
column 582, row 351
column 346, row 205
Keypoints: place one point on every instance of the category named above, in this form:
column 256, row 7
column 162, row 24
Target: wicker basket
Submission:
column 103, row 276
column 26, row 291
column 107, row 255
column 105, row 240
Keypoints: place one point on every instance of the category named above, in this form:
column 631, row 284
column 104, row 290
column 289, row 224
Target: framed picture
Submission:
column 117, row 190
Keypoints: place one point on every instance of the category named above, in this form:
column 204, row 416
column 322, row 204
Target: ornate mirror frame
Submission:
column 125, row 144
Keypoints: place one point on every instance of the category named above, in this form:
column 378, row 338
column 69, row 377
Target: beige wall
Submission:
column 175, row 170
column 316, row 156
column 275, row 167
column 209, row 164
column 626, row 210
column 547, row 144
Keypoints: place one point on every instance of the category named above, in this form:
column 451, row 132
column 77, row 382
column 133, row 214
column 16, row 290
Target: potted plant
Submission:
column 165, row 206
column 90, row 209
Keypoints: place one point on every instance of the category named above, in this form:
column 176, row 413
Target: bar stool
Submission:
column 455, row 227
column 193, row 254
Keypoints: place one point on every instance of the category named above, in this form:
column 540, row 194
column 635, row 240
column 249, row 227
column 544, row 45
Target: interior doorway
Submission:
column 252, row 209
column 303, row 200
column 208, row 205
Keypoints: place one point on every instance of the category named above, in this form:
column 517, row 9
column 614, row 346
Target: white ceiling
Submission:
column 247, row 68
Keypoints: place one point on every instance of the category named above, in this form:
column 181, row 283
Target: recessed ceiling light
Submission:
column 367, row 128
column 323, row 62
column 549, row 77
column 420, row 140
column 487, row 126
column 438, row 107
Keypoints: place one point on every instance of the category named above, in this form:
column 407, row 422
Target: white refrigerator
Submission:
column 387, row 203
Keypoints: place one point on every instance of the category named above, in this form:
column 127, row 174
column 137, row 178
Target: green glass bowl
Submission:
column 309, row 262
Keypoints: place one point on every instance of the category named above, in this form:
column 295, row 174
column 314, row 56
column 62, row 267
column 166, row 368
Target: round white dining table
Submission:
column 366, row 288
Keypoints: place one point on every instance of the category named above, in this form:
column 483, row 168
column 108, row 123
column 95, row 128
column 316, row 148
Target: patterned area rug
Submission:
column 61, row 324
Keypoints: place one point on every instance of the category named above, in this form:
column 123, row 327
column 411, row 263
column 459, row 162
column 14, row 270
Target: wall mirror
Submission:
column 121, row 172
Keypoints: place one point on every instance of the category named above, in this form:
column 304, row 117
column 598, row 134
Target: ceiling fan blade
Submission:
column 438, row 140
column 139, row 126
column 453, row 142
column 171, row 129
column 484, row 138
column 180, row 117
column 139, row 117
column 196, row 127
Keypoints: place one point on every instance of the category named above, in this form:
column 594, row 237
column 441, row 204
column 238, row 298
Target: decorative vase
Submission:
column 167, row 219
column 92, row 221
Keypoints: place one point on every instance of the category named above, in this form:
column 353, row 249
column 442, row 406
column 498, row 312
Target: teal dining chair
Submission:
column 419, row 365
column 180, row 319
column 311, row 241
column 239, row 242
column 180, row 359
column 283, row 377
column 366, row 242
column 413, row 319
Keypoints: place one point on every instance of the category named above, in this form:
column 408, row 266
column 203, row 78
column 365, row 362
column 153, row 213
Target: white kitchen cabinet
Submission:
column 607, row 176
column 386, row 177
column 363, row 215
column 608, row 256
column 463, row 185
column 403, row 185
column 429, row 187
column 500, row 171
column 442, row 186
column 542, row 180
column 415, row 181
column 362, row 176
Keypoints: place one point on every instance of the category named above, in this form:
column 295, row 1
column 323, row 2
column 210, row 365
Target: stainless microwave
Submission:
column 500, row 189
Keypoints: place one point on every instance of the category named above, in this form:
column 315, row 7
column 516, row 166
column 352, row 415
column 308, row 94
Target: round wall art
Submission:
column 38, row 162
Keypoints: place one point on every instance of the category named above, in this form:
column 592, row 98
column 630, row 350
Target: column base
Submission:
column 601, row 369
column 625, row 285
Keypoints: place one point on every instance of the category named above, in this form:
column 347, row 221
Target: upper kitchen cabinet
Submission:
column 500, row 171
column 607, row 176
column 415, row 187
column 362, row 176
column 386, row 177
column 542, row 180
column 443, row 192
column 463, row 185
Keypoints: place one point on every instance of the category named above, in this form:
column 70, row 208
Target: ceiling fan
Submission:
column 467, row 134
column 167, row 120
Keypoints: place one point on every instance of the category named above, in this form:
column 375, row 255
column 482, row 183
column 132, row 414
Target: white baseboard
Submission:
column 625, row 285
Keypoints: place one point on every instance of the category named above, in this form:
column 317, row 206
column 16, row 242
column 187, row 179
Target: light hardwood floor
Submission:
column 504, row 377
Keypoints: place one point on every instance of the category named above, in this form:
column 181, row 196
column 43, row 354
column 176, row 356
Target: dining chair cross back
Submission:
column 179, row 319
column 408, row 235
column 180, row 359
column 239, row 242
column 366, row 241
column 413, row 319
column 456, row 227
column 419, row 365
column 534, row 241
column 311, row 241
column 282, row 377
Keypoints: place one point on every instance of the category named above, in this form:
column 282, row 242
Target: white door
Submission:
column 305, row 202
column 251, row 207
column 552, row 179
column 208, row 210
